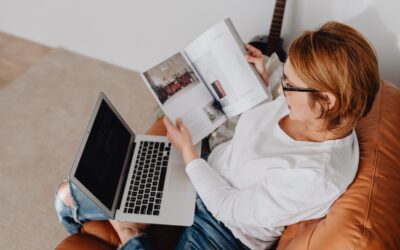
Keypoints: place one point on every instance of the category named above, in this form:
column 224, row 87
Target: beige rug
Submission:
column 43, row 115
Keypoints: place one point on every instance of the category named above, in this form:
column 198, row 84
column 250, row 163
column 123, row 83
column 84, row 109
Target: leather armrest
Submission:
column 367, row 215
column 102, row 230
column 157, row 128
column 82, row 241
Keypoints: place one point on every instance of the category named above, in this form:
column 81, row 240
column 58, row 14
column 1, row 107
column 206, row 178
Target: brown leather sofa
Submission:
column 366, row 216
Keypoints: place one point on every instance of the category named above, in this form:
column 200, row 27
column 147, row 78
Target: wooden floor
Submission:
column 17, row 55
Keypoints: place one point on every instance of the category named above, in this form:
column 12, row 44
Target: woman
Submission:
column 288, row 160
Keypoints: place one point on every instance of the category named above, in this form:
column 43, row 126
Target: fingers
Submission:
column 253, row 51
column 249, row 47
column 251, row 59
column 184, row 131
column 165, row 120
column 257, row 61
column 168, row 124
column 180, row 125
column 258, row 56
column 127, row 230
column 170, row 127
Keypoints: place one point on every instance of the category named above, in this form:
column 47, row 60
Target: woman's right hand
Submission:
column 180, row 136
column 255, row 57
column 127, row 230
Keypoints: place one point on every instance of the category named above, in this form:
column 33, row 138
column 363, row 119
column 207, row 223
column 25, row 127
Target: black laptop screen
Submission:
column 104, row 154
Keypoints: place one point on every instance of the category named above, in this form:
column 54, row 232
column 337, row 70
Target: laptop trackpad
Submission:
column 179, row 180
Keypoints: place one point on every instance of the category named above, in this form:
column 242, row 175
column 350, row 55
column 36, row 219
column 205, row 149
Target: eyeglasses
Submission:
column 285, row 88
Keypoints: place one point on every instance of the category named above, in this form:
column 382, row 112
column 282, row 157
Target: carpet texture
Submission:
column 43, row 115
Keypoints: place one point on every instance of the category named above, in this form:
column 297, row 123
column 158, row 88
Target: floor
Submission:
column 17, row 55
column 46, row 98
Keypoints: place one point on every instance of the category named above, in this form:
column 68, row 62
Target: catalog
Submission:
column 208, row 82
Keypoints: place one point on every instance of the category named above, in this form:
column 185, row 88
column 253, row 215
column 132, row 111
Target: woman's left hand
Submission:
column 181, row 138
column 255, row 57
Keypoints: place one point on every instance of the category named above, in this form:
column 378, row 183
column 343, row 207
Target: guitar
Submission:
column 273, row 42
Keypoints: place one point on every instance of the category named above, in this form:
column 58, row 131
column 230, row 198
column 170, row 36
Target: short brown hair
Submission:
column 337, row 59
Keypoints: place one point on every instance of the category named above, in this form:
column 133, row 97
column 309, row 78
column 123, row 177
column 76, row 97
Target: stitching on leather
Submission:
column 375, row 167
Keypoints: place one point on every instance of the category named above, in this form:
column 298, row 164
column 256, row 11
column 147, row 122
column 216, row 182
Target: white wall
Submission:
column 138, row 34
column 130, row 33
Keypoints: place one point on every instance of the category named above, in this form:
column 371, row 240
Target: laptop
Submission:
column 138, row 178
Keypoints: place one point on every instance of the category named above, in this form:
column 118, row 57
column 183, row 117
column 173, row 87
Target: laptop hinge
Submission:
column 125, row 174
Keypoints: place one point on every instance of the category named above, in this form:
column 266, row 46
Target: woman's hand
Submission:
column 255, row 57
column 128, row 230
column 181, row 138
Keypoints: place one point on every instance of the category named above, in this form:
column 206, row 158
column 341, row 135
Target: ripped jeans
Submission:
column 205, row 233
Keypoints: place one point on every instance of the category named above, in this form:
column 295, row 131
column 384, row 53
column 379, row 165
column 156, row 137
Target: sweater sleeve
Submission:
column 282, row 198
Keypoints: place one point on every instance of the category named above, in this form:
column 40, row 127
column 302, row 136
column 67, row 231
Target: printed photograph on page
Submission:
column 171, row 78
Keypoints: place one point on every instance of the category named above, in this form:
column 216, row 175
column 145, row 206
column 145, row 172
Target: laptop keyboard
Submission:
column 147, row 184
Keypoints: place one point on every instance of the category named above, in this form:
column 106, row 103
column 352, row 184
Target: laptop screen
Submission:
column 103, row 157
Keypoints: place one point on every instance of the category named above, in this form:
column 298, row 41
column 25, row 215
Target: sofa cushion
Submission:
column 367, row 215
column 84, row 242
column 102, row 230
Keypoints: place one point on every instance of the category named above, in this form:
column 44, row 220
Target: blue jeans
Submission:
column 205, row 232
column 84, row 210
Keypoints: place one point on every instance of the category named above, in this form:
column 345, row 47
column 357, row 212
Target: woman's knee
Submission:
column 64, row 194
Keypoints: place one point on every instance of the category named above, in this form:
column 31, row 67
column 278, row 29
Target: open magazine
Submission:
column 208, row 82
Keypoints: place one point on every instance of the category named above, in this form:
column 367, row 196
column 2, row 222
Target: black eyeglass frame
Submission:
column 284, row 89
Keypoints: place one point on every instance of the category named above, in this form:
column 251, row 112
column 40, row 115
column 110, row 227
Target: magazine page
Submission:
column 218, row 55
column 181, row 93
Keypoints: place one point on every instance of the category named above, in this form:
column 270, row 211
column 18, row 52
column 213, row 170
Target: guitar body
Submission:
column 261, row 43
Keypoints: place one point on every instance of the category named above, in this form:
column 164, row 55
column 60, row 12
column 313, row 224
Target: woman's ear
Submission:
column 330, row 100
